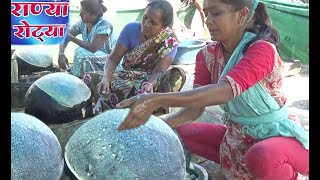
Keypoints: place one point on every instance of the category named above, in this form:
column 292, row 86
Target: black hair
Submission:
column 259, row 23
column 186, row 3
column 166, row 9
column 94, row 7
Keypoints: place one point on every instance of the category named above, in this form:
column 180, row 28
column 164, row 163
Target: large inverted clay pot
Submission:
column 98, row 151
column 32, row 59
column 58, row 98
column 35, row 150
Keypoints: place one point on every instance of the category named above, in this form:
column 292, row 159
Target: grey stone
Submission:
column 64, row 131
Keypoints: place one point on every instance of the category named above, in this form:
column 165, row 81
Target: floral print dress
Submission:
column 137, row 66
column 235, row 143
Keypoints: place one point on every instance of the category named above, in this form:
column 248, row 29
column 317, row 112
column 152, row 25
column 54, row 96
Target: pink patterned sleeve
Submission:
column 202, row 75
column 255, row 65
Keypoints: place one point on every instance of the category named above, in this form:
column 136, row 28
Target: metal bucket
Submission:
column 202, row 173
column 199, row 170
column 187, row 51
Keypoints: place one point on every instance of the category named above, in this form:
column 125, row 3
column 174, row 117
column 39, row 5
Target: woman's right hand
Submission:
column 141, row 108
column 62, row 61
column 103, row 86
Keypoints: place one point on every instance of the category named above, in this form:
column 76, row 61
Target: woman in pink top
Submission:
column 242, row 72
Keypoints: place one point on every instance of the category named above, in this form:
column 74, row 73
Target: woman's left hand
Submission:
column 142, row 107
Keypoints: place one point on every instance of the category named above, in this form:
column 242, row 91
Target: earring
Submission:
column 241, row 21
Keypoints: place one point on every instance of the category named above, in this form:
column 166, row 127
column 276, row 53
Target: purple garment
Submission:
column 130, row 37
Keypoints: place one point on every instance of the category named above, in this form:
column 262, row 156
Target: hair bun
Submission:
column 101, row 1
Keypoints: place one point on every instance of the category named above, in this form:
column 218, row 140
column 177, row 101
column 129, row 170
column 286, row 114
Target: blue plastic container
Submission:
column 187, row 51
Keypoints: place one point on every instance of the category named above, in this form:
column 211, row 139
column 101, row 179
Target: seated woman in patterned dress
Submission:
column 98, row 39
column 148, row 49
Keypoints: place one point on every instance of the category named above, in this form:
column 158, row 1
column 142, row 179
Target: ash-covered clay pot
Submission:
column 32, row 59
column 98, row 151
column 58, row 98
column 35, row 150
